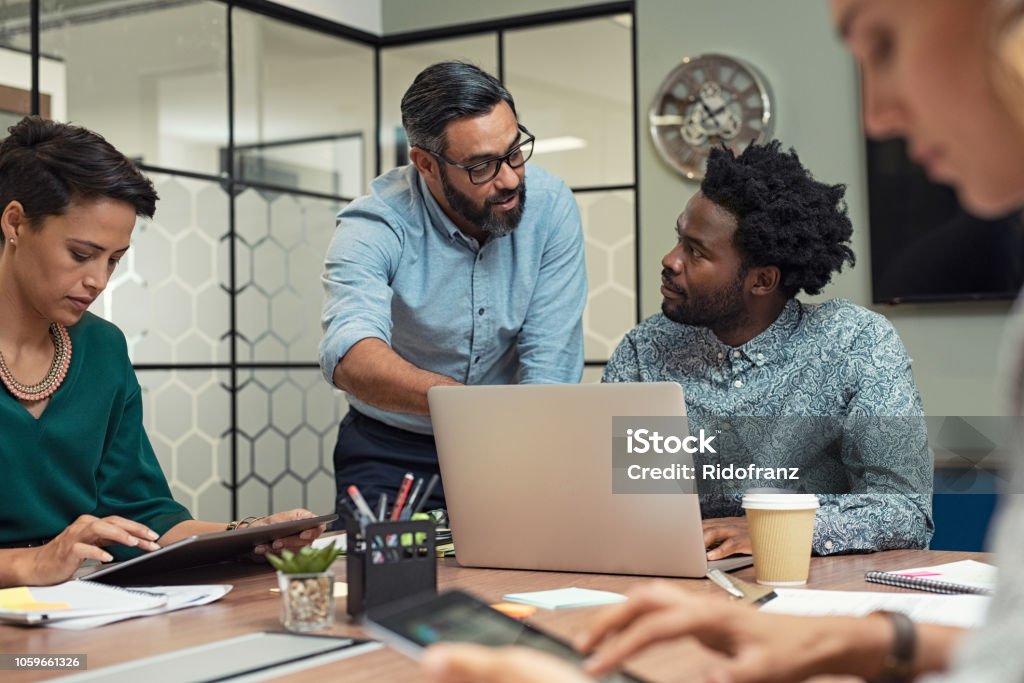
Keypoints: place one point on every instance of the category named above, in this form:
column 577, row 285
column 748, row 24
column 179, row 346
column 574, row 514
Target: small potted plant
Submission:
column 307, row 587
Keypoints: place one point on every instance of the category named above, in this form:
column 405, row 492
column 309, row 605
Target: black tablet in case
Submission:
column 200, row 550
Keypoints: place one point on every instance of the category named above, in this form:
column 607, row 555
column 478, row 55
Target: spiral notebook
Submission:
column 69, row 600
column 966, row 576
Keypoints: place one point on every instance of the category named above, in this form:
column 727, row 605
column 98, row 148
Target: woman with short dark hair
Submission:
column 83, row 480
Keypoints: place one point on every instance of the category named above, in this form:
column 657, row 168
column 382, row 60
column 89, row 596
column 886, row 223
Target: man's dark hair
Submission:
column 45, row 165
column 784, row 217
column 444, row 92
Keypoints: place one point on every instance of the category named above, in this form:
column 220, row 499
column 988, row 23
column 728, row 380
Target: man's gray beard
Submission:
column 485, row 219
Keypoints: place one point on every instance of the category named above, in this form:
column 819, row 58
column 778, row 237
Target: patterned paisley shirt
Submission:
column 872, row 474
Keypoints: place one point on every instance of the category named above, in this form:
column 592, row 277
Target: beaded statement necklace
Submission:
column 53, row 379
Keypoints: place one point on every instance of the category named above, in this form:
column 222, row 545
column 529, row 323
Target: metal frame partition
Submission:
column 235, row 371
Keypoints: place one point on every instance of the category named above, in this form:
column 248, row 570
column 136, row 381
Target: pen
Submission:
column 357, row 498
column 403, row 492
column 723, row 582
column 426, row 492
column 355, row 514
column 382, row 506
column 411, row 503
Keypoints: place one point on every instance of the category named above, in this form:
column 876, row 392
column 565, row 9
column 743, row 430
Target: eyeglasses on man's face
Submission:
column 484, row 171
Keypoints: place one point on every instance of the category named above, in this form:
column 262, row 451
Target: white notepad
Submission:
column 69, row 600
column 965, row 611
column 566, row 597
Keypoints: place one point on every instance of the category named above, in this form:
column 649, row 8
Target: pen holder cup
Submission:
column 388, row 561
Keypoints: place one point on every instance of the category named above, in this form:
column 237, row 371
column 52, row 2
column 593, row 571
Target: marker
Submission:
column 426, row 493
column 357, row 498
column 407, row 512
column 382, row 505
column 403, row 492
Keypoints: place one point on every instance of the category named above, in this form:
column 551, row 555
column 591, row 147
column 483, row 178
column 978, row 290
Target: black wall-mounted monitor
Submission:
column 925, row 247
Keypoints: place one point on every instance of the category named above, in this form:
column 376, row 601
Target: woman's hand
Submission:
column 84, row 539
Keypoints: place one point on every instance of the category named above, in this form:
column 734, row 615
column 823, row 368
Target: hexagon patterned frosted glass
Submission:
column 282, row 241
column 288, row 423
column 166, row 294
column 610, row 234
column 188, row 417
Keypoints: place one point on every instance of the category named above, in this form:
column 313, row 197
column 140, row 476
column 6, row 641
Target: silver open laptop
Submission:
column 527, row 472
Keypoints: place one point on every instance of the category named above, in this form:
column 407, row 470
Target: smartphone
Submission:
column 411, row 625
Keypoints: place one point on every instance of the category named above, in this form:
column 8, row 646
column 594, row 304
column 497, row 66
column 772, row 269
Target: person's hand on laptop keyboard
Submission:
column 726, row 536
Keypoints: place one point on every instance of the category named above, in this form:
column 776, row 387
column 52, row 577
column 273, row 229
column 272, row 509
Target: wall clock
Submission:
column 707, row 101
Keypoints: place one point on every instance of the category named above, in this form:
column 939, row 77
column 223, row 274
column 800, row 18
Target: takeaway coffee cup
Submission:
column 781, row 527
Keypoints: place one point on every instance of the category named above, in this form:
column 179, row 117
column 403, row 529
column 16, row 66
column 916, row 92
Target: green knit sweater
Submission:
column 88, row 453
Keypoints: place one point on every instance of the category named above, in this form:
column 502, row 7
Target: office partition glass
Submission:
column 399, row 66
column 150, row 77
column 288, row 421
column 580, row 107
column 219, row 297
column 15, row 66
column 304, row 108
column 580, row 103
column 187, row 415
column 610, row 234
column 168, row 293
column 281, row 240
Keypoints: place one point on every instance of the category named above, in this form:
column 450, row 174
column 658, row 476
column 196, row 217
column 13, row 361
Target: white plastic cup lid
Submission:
column 780, row 501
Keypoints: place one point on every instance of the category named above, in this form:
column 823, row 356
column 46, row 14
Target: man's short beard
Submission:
column 485, row 218
column 724, row 310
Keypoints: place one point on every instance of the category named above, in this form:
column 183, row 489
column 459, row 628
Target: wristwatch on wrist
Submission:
column 899, row 663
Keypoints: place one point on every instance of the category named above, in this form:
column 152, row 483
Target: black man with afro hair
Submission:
column 732, row 332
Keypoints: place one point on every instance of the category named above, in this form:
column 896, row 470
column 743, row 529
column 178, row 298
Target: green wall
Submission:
column 954, row 346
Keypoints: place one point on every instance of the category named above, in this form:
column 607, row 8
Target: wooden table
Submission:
column 251, row 607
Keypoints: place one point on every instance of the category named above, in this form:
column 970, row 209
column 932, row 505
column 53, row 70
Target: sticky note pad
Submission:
column 566, row 597
column 21, row 599
column 9, row 597
column 515, row 610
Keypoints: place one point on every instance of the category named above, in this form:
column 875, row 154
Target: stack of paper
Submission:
column 69, row 600
column 176, row 597
column 965, row 611
column 85, row 604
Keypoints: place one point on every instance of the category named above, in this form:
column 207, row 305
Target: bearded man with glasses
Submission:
column 445, row 275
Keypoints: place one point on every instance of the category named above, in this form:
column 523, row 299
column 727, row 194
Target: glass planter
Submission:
column 307, row 600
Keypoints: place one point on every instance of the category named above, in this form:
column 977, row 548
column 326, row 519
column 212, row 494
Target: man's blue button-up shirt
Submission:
column 510, row 311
